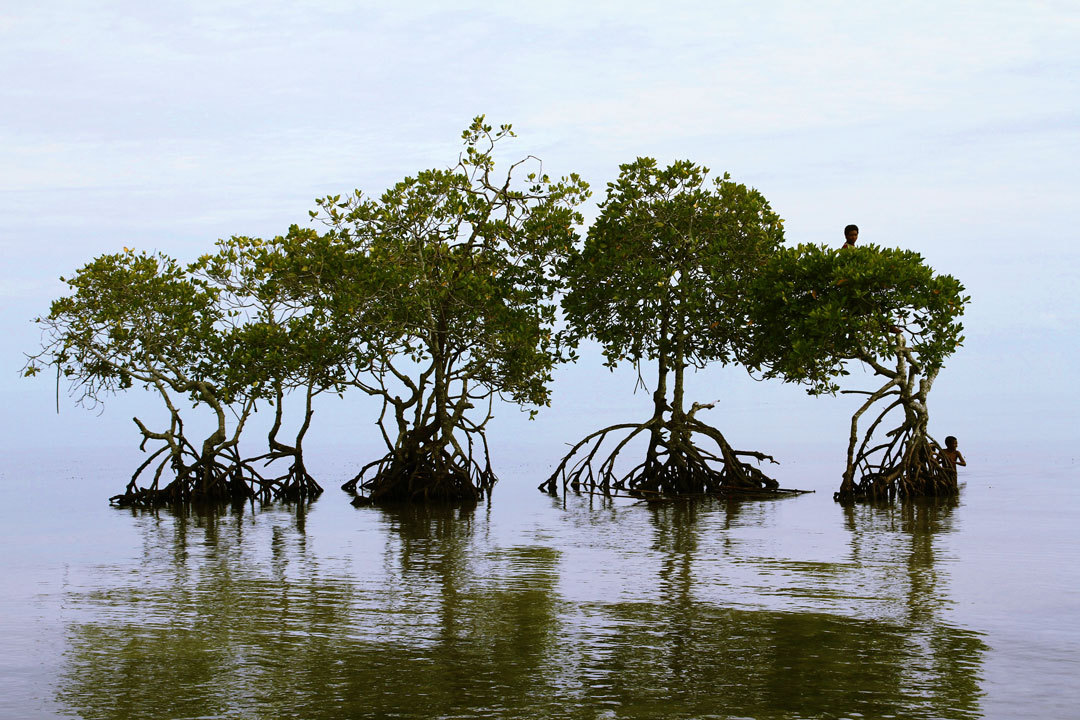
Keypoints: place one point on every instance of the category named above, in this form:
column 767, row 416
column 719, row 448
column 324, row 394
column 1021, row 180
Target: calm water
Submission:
column 536, row 607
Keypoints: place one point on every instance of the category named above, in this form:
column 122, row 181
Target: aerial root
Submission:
column 424, row 475
column 674, row 464
column 224, row 477
column 295, row 485
column 907, row 466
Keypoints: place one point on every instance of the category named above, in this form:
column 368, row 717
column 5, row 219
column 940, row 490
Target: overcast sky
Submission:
column 952, row 129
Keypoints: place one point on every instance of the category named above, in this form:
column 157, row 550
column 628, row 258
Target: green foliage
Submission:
column 462, row 266
column 279, row 332
column 132, row 317
column 813, row 309
column 668, row 261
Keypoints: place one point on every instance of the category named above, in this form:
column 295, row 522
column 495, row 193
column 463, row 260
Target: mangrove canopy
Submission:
column 814, row 310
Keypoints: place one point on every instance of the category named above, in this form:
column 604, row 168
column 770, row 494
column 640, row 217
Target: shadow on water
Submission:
column 235, row 614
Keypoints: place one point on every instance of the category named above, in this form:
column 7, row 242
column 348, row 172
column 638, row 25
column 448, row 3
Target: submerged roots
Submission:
column 674, row 464
column 422, row 476
column 909, row 466
column 295, row 485
column 224, row 477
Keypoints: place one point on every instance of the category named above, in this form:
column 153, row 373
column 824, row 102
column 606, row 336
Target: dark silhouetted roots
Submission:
column 678, row 467
column 421, row 477
column 225, row 478
column 908, row 467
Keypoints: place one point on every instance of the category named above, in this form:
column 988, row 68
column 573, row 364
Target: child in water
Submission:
column 951, row 455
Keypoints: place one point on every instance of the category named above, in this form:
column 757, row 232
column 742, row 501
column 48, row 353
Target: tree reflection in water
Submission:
column 235, row 615
column 682, row 657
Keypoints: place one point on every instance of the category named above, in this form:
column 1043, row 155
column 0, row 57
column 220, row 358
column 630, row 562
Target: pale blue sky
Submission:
column 952, row 129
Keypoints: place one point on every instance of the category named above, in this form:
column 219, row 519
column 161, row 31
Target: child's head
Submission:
column 950, row 442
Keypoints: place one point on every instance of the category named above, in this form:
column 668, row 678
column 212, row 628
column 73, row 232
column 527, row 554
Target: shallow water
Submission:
column 530, row 606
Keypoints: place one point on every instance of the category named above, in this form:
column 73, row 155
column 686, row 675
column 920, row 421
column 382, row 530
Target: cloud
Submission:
column 948, row 128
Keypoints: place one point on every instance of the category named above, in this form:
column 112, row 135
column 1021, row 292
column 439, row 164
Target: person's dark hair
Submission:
column 849, row 228
column 950, row 440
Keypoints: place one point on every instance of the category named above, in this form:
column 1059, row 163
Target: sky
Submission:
column 949, row 128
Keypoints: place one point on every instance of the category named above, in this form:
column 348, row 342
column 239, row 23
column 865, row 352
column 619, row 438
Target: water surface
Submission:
column 531, row 606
